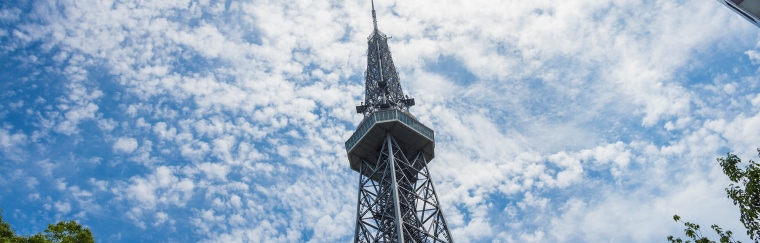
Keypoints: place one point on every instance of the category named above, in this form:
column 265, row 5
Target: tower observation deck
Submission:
column 391, row 150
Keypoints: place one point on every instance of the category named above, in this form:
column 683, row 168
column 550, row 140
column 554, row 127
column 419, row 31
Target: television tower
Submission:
column 391, row 149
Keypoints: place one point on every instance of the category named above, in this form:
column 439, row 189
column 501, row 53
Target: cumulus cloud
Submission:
column 62, row 207
column 8, row 140
column 753, row 56
column 125, row 145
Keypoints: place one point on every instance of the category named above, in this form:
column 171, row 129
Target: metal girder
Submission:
column 401, row 206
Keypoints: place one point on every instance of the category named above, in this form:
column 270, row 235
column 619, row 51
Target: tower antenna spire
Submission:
column 374, row 17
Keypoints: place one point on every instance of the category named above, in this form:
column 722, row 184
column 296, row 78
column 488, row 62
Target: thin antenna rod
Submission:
column 374, row 17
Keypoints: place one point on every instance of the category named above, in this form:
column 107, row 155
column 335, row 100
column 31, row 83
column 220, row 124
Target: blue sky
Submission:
column 224, row 121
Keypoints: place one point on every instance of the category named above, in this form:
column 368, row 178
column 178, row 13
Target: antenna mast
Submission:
column 374, row 17
column 382, row 87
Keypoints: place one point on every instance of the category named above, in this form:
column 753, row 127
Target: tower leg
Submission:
column 397, row 201
column 428, row 207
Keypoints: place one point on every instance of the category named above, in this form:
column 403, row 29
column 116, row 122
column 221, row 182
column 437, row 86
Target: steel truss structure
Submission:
column 397, row 200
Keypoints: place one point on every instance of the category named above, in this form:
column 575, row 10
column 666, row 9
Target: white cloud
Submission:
column 602, row 219
column 125, row 145
column 142, row 191
column 753, row 56
column 215, row 170
column 8, row 140
column 162, row 187
column 235, row 201
column 100, row 185
column 10, row 14
column 62, row 207
column 161, row 217
column 756, row 101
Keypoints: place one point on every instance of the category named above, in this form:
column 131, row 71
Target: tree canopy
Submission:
column 62, row 232
column 744, row 190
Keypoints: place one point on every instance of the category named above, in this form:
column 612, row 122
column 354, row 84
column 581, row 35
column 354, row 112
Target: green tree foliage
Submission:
column 744, row 190
column 7, row 235
column 746, row 194
column 62, row 232
column 694, row 233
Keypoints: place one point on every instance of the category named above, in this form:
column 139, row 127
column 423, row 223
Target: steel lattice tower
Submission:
column 391, row 149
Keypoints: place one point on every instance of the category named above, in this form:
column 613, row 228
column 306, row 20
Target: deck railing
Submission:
column 384, row 116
